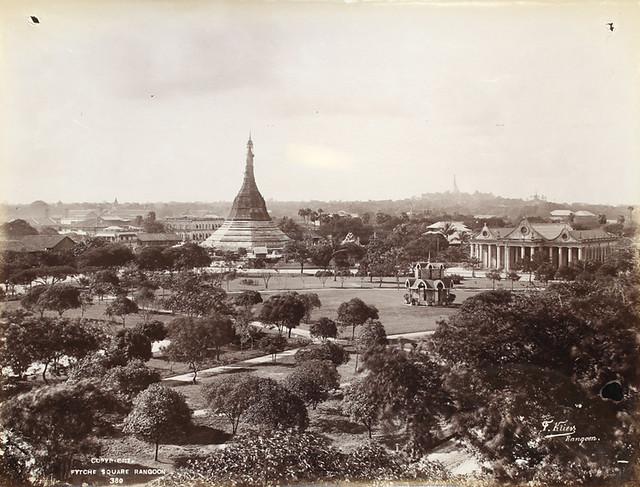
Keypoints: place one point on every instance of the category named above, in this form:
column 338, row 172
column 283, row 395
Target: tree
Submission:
column 159, row 414
column 494, row 275
column 195, row 295
column 154, row 330
column 361, row 405
column 106, row 256
column 291, row 228
column 311, row 301
column 247, row 299
column 151, row 225
column 284, row 310
column 232, row 396
column 331, row 351
column 121, row 306
column 57, row 420
column 273, row 345
column 372, row 335
column 513, row 276
column 355, row 312
column 46, row 340
column 566, row 273
column 104, row 282
column 321, row 256
column 188, row 256
column 554, row 352
column 59, row 298
column 145, row 298
column 131, row 344
column 277, row 407
column 545, row 272
column 312, row 380
column 298, row 252
column 130, row 379
column 324, row 328
column 154, row 259
column 196, row 340
column 410, row 389
column 31, row 299
column 474, row 263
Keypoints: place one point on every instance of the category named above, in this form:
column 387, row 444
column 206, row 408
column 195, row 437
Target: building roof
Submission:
column 158, row 237
column 549, row 231
column 535, row 232
column 39, row 243
column 594, row 234
column 561, row 213
column 584, row 213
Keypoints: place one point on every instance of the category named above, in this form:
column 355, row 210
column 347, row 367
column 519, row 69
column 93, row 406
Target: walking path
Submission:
column 221, row 369
column 226, row 368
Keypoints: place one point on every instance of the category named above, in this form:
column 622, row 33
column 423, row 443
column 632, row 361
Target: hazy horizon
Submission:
column 153, row 101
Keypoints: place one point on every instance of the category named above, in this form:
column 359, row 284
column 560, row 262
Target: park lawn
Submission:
column 396, row 316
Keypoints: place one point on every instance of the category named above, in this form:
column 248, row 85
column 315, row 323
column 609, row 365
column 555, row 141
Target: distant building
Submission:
column 428, row 286
column 118, row 235
column 501, row 248
column 561, row 215
column 192, row 228
column 39, row 243
column 157, row 239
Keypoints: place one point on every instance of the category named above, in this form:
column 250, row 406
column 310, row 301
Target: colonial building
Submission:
column 501, row 248
column 248, row 224
column 192, row 228
column 429, row 286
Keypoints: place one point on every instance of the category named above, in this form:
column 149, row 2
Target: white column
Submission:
column 507, row 258
column 522, row 252
column 498, row 263
column 569, row 256
column 490, row 251
column 579, row 253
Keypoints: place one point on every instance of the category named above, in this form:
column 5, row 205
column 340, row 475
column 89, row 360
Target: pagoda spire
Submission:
column 249, row 203
column 248, row 170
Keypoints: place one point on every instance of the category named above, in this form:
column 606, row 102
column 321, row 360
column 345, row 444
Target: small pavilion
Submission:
column 429, row 286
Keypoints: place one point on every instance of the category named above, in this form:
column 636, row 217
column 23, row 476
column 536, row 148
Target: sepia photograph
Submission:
column 319, row 243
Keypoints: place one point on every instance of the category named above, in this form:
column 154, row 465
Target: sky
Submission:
column 154, row 100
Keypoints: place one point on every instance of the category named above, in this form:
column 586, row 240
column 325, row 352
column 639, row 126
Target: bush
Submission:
column 293, row 458
column 154, row 330
column 327, row 351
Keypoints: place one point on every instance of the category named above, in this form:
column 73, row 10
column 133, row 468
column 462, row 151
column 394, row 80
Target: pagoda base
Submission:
column 247, row 234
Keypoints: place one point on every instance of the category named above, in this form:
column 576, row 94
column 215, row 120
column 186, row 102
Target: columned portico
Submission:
column 557, row 243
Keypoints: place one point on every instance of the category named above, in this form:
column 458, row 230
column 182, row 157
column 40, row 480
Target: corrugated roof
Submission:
column 594, row 234
column 584, row 213
column 36, row 243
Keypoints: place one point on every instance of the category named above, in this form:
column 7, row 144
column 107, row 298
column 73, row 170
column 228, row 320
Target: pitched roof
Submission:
column 549, row 231
column 34, row 243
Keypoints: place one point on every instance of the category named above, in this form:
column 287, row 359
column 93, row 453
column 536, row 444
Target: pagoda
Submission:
column 248, row 225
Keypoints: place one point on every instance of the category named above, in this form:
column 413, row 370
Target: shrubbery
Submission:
column 285, row 457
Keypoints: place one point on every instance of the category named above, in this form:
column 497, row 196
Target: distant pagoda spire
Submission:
column 249, row 203
column 455, row 185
